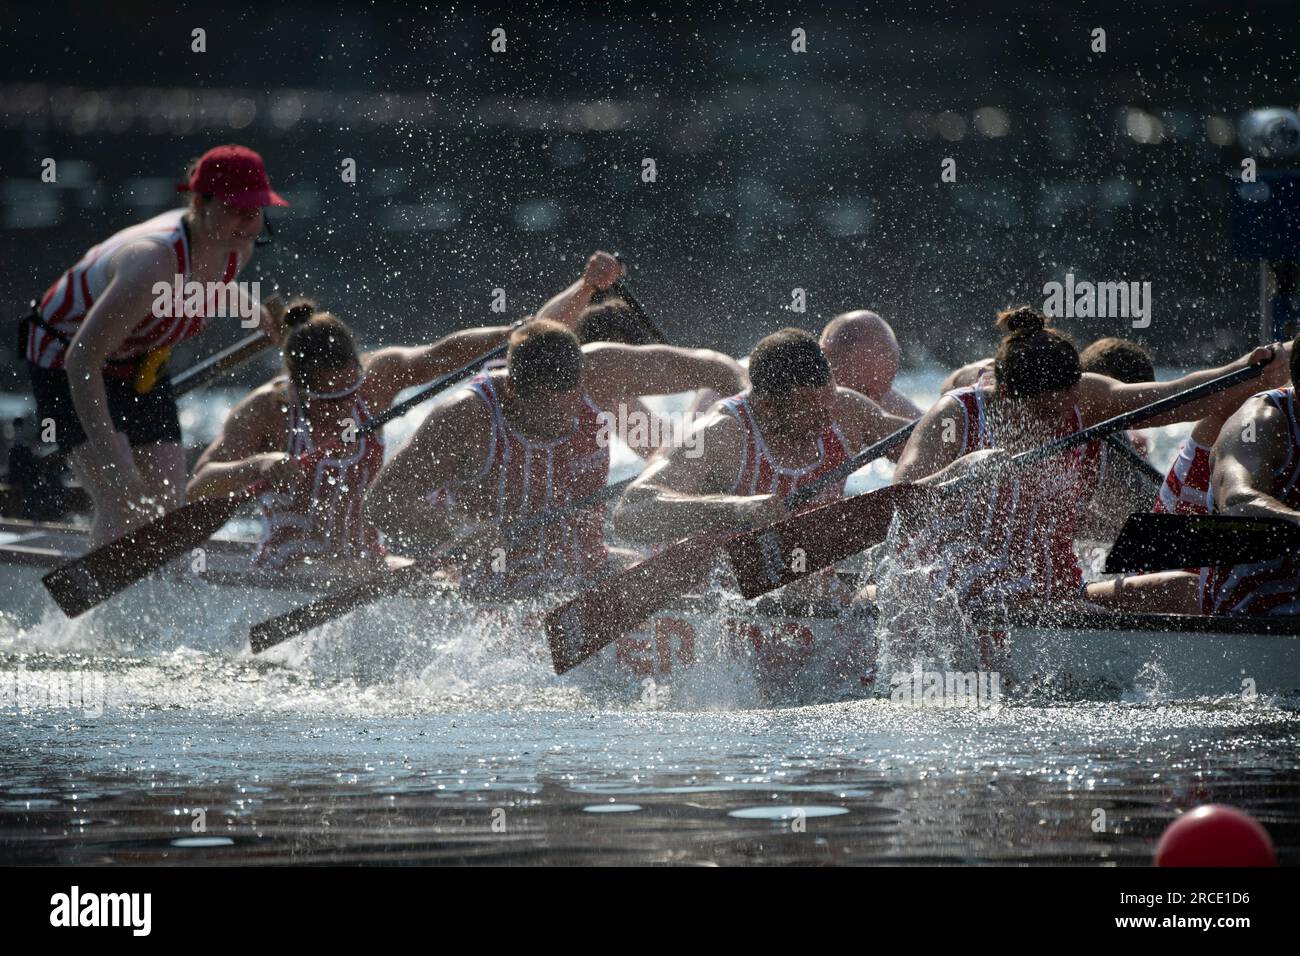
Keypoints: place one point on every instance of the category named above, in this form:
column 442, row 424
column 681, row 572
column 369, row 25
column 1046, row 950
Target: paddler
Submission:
column 1015, row 540
column 329, row 387
column 1256, row 473
column 96, row 343
column 529, row 439
column 791, row 427
column 864, row 355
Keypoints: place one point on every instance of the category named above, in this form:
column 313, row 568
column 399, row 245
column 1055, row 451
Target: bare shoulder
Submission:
column 947, row 405
column 849, row 402
column 1257, row 417
column 722, row 435
column 966, row 375
column 143, row 260
column 263, row 406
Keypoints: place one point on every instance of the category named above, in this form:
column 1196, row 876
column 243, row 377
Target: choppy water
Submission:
column 403, row 740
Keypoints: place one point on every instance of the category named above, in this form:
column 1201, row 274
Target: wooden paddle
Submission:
column 96, row 576
column 638, row 309
column 841, row 529
column 1129, row 454
column 1168, row 542
column 593, row 620
column 266, row 634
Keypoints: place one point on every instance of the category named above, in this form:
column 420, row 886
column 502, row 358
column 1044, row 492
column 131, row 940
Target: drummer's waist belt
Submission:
column 147, row 367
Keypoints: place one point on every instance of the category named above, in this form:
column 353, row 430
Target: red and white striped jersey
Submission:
column 1263, row 587
column 66, row 303
column 761, row 474
column 1186, row 490
column 1013, row 540
column 521, row 477
column 324, row 520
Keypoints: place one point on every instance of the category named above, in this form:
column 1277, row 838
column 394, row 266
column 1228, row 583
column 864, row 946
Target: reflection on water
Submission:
column 843, row 783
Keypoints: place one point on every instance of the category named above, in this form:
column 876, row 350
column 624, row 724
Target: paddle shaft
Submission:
column 1125, row 451
column 231, row 357
column 863, row 458
column 639, row 310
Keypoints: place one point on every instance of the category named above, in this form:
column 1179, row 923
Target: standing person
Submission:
column 97, row 340
column 864, row 355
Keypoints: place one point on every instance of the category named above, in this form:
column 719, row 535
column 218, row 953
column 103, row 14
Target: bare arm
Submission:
column 601, row 271
column 864, row 422
column 684, row 492
column 1102, row 398
column 1245, row 460
column 896, row 403
column 617, row 374
column 448, row 447
column 932, row 455
column 402, row 367
column 935, row 442
column 244, row 450
column 126, row 301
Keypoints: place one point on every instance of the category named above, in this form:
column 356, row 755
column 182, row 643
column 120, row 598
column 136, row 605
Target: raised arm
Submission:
column 601, row 271
column 1250, row 450
column 448, row 447
column 615, row 373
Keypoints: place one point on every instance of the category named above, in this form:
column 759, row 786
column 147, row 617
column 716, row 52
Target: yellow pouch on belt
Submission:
column 146, row 376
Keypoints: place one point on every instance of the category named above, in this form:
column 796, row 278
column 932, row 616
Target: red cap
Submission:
column 234, row 174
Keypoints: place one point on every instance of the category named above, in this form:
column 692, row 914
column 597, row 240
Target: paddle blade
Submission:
column 1166, row 542
column 590, row 622
column 805, row 543
column 276, row 630
column 96, row 576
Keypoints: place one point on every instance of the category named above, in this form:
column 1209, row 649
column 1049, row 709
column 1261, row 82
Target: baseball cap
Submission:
column 234, row 174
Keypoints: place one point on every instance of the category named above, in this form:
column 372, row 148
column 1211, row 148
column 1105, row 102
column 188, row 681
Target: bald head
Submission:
column 863, row 352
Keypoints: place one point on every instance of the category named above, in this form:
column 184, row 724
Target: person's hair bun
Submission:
column 1022, row 320
column 299, row 312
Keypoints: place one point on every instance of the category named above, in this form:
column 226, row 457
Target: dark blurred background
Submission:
column 776, row 169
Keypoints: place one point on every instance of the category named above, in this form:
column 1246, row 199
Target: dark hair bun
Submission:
column 299, row 313
column 1022, row 320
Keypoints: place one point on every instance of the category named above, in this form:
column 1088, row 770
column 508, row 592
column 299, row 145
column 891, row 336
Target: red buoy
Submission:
column 1215, row 835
